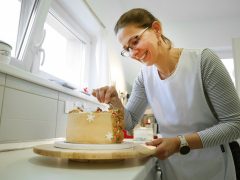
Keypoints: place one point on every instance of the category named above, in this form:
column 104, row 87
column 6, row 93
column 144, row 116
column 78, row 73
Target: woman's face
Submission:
column 142, row 44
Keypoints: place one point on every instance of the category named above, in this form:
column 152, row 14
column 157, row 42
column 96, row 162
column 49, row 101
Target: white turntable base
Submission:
column 66, row 145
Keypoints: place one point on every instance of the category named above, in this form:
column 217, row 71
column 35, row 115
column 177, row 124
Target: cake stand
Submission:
column 95, row 152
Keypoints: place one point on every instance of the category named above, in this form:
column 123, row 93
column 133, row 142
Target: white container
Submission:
column 5, row 52
column 143, row 134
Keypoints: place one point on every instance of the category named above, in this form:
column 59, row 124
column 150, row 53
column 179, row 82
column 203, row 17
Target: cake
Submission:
column 100, row 127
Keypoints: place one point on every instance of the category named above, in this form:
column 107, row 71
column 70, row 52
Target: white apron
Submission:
column 180, row 107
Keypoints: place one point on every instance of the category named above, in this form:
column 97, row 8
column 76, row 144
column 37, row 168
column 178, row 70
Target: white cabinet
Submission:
column 2, row 78
column 1, row 99
column 2, row 83
column 30, row 111
column 27, row 116
column 61, row 120
column 30, row 87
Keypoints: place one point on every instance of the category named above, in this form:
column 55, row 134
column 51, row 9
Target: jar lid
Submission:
column 2, row 42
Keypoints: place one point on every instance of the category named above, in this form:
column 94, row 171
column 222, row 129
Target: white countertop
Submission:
column 26, row 165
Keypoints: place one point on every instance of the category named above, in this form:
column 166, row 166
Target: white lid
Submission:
column 2, row 42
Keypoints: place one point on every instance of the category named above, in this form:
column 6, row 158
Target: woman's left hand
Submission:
column 165, row 146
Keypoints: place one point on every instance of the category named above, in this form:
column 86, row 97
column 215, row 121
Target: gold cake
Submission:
column 95, row 127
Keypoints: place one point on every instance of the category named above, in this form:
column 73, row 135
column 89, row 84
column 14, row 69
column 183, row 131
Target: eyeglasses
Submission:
column 132, row 43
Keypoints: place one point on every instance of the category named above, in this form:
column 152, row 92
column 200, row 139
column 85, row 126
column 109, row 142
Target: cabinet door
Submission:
column 2, row 78
column 1, row 99
column 61, row 120
column 27, row 116
column 26, row 86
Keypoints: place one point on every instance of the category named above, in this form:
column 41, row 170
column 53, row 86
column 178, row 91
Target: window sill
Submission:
column 19, row 73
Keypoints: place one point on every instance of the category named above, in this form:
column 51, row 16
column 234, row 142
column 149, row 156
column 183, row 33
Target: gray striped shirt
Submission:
column 221, row 96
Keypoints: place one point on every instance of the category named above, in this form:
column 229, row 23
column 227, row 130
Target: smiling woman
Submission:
column 192, row 97
column 132, row 43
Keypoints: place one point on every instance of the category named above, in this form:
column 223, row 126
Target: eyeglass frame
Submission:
column 137, row 37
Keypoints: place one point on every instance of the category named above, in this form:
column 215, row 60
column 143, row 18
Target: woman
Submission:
column 192, row 97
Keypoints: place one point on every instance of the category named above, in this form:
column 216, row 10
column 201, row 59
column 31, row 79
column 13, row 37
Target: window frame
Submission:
column 87, row 27
column 34, row 34
column 25, row 32
column 62, row 17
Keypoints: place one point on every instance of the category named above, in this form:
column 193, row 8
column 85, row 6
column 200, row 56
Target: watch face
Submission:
column 184, row 149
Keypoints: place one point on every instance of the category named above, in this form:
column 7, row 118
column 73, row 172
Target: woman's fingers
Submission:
column 104, row 94
column 154, row 142
column 161, row 152
column 110, row 93
column 165, row 147
column 98, row 93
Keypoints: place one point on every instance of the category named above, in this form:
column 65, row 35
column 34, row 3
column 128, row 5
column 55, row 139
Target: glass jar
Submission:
column 5, row 52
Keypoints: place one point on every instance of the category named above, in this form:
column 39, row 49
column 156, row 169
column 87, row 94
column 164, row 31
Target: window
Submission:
column 9, row 18
column 52, row 39
column 65, row 52
column 229, row 64
column 27, row 18
column 17, row 18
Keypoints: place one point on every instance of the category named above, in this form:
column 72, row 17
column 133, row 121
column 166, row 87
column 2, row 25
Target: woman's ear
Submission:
column 157, row 28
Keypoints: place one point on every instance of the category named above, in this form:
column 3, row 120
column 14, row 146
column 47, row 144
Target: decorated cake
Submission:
column 100, row 127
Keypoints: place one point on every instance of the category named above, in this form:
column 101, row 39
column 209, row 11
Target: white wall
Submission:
column 199, row 34
column 209, row 29
column 236, row 55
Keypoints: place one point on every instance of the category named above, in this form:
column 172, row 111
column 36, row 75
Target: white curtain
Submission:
column 99, row 66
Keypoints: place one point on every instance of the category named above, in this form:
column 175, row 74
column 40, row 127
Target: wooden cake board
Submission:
column 137, row 151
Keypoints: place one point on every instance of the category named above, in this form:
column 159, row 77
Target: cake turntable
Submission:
column 125, row 150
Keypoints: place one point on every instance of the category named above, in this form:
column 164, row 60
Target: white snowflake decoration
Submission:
column 90, row 117
column 109, row 136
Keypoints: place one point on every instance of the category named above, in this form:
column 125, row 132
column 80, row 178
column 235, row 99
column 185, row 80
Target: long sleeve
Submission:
column 222, row 99
column 137, row 103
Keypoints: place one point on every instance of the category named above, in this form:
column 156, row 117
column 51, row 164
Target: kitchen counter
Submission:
column 26, row 165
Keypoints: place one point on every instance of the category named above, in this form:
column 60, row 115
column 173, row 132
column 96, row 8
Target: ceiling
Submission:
column 188, row 10
column 168, row 10
column 188, row 23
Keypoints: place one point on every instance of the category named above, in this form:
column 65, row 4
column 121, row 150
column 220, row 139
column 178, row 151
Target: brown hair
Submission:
column 140, row 18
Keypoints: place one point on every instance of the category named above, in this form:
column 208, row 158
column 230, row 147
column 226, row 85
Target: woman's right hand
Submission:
column 108, row 95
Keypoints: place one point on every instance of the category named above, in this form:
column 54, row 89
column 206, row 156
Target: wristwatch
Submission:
column 184, row 147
